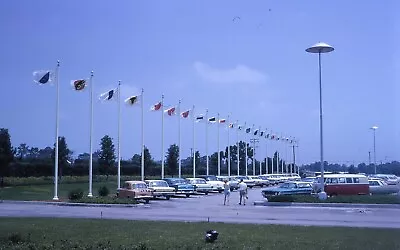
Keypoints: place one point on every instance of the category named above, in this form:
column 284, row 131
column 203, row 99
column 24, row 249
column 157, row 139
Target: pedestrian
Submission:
column 227, row 192
column 242, row 192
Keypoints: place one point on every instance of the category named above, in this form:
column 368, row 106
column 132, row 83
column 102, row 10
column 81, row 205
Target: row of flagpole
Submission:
column 44, row 77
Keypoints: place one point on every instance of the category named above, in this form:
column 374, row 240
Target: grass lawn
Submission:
column 46, row 192
column 38, row 233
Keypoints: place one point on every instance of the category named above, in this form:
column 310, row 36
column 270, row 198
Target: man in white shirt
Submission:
column 243, row 192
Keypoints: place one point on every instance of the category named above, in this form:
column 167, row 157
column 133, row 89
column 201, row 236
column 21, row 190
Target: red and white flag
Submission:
column 156, row 106
column 185, row 114
column 222, row 120
column 170, row 111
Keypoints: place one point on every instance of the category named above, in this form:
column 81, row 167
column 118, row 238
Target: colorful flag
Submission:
column 156, row 106
column 248, row 130
column 109, row 95
column 212, row 120
column 80, row 84
column 231, row 125
column 132, row 100
column 199, row 118
column 272, row 137
column 222, row 120
column 185, row 114
column 43, row 76
column 170, row 111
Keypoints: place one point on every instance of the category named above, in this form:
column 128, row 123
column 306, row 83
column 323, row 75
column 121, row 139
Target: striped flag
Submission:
column 170, row 111
column 156, row 107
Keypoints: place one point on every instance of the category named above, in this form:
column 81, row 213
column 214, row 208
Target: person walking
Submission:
column 227, row 192
column 242, row 192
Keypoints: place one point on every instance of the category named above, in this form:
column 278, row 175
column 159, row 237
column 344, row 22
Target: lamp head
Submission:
column 320, row 48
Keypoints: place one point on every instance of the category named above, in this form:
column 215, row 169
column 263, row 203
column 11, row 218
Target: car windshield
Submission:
column 140, row 185
column 288, row 185
column 178, row 181
column 211, row 178
column 303, row 185
column 158, row 184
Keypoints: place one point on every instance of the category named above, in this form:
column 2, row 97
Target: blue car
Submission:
column 288, row 188
column 181, row 186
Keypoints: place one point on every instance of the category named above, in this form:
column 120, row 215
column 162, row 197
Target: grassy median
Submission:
column 41, row 233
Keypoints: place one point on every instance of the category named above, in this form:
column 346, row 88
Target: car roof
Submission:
column 154, row 180
column 135, row 182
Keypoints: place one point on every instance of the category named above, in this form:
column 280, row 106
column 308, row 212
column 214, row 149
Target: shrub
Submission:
column 15, row 238
column 281, row 198
column 75, row 194
column 103, row 191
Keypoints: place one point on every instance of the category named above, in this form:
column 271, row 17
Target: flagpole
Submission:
column 237, row 148
column 194, row 149
column 119, row 134
column 56, row 148
column 91, row 138
column 179, row 140
column 142, row 165
column 246, row 138
column 219, row 157
column 259, row 131
column 229, row 150
column 266, row 153
column 162, row 137
column 208, row 171
column 254, row 153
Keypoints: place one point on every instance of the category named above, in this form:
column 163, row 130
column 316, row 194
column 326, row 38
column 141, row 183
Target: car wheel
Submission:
column 206, row 193
column 167, row 197
column 220, row 191
column 147, row 201
column 187, row 195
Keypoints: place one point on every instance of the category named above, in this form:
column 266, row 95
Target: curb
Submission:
column 71, row 204
column 348, row 205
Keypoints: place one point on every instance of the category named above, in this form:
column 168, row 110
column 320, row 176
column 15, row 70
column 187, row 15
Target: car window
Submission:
column 285, row 185
column 200, row 181
column 342, row 180
column 349, row 180
column 356, row 180
column 140, row 185
column 291, row 185
column 158, row 184
column 303, row 185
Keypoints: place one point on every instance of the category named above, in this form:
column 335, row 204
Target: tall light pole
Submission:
column 321, row 48
column 373, row 129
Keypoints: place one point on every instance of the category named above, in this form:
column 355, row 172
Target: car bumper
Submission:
column 184, row 192
column 158, row 194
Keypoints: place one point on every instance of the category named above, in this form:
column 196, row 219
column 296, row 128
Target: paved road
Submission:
column 210, row 207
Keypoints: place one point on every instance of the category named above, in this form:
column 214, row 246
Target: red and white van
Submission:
column 346, row 184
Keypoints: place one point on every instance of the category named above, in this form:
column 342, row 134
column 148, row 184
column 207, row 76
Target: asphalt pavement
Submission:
column 210, row 208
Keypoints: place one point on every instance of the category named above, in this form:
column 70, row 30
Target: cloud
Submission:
column 239, row 74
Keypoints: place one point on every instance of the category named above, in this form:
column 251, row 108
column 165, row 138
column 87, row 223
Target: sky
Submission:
column 253, row 69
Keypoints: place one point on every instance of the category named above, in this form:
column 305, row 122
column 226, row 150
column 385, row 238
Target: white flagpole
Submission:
column 266, row 152
column 229, row 150
column 162, row 137
column 254, row 153
column 194, row 148
column 208, row 169
column 219, row 157
column 246, row 138
column 179, row 141
column 56, row 149
column 142, row 165
column 237, row 148
column 91, row 137
column 259, row 131
column 119, row 134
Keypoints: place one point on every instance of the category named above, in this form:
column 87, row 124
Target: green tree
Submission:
column 148, row 159
column 107, row 155
column 64, row 155
column 22, row 151
column 6, row 153
column 172, row 159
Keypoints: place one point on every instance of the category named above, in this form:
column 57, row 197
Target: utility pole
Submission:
column 254, row 141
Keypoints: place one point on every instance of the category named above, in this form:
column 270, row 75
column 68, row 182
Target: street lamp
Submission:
column 374, row 128
column 321, row 48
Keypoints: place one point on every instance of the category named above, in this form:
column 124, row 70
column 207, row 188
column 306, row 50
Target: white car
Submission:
column 200, row 185
column 257, row 180
column 217, row 185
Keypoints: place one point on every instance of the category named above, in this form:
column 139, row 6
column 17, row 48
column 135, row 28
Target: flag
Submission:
column 43, row 76
column 277, row 138
column 132, row 100
column 80, row 84
column 272, row 137
column 262, row 133
column 199, row 118
column 170, row 111
column 248, row 130
column 267, row 136
column 212, row 120
column 240, row 127
column 222, row 120
column 255, row 132
column 156, row 106
column 109, row 95
column 185, row 114
column 231, row 125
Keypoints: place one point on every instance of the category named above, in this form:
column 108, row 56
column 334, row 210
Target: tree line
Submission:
column 24, row 160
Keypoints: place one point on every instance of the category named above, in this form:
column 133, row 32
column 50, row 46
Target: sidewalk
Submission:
column 72, row 204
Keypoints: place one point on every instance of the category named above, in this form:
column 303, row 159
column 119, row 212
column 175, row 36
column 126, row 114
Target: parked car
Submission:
column 257, row 180
column 160, row 188
column 135, row 190
column 343, row 184
column 288, row 188
column 390, row 179
column 181, row 186
column 216, row 184
column 232, row 181
column 273, row 179
column 249, row 182
column 265, row 180
column 377, row 186
column 200, row 185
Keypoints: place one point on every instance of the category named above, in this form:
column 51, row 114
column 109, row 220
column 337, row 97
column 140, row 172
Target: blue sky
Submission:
column 254, row 68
